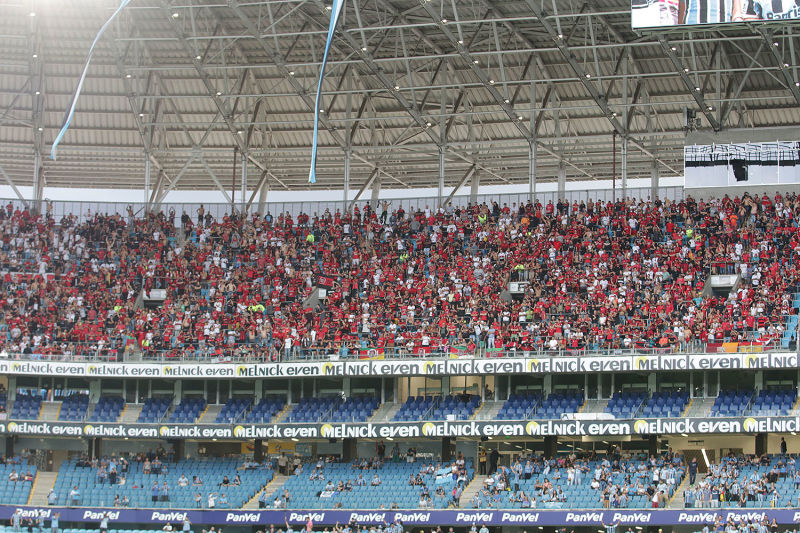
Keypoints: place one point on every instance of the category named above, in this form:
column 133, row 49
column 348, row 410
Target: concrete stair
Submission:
column 50, row 411
column 282, row 415
column 472, row 489
column 489, row 410
column 42, row 485
column 677, row 499
column 594, row 406
column 271, row 488
column 385, row 412
column 130, row 414
column 209, row 416
column 700, row 407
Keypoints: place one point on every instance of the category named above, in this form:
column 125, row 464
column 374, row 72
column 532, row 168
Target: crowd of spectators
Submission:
column 601, row 275
column 613, row 481
column 746, row 481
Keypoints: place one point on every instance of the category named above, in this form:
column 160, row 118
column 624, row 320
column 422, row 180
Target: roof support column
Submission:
column 474, row 186
column 346, row 193
column 654, row 181
column 532, row 141
column 146, row 182
column 624, row 167
column 562, row 182
column 38, row 189
column 440, row 191
column 376, row 192
column 532, row 172
column 262, row 197
column 244, row 183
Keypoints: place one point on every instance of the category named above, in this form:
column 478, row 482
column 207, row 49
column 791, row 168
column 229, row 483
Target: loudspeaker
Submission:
column 739, row 169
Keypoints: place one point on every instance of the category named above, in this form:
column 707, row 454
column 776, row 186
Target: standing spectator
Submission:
column 494, row 456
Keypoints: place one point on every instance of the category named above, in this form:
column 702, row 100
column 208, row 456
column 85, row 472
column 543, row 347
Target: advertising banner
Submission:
column 410, row 367
column 744, row 164
column 406, row 430
column 675, row 13
column 492, row 517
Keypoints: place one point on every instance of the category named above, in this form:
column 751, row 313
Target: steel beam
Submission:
column 280, row 63
column 784, row 67
column 13, row 186
column 370, row 180
column 583, row 76
column 695, row 91
column 467, row 175
column 503, row 103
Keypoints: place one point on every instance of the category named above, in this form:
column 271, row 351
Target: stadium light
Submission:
column 32, row 14
column 176, row 15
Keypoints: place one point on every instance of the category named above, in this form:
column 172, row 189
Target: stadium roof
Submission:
column 190, row 81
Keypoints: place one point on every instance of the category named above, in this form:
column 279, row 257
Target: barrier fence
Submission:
column 87, row 208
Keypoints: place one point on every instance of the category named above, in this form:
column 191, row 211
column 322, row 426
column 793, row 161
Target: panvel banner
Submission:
column 463, row 366
column 671, row 13
column 493, row 517
column 747, row 164
column 407, row 430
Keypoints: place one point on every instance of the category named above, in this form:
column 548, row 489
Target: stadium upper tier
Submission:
column 601, row 276
column 522, row 406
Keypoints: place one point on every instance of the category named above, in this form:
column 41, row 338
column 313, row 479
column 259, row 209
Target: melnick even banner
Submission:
column 406, row 430
column 410, row 367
